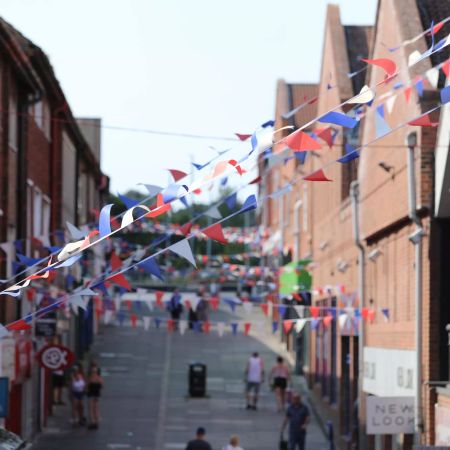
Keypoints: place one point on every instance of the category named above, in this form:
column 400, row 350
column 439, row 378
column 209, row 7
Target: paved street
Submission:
column 145, row 404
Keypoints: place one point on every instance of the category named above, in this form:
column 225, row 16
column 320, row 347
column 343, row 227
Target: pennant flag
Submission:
column 183, row 249
column 445, row 95
column 265, row 309
column 249, row 204
column 120, row 280
column 104, row 222
column 386, row 64
column 170, row 193
column 282, row 310
column 214, row 302
column 146, row 322
column 371, row 315
column 366, row 95
column 339, row 119
column 342, row 319
column 169, row 324
column 234, row 328
column 315, row 324
column 231, row 303
column 247, row 326
column 157, row 322
column 287, row 325
column 133, row 319
column 350, row 155
column 381, row 126
column 206, row 327
column 423, row 121
column 224, row 181
column 256, row 180
column 300, row 157
column 365, row 313
column 127, row 201
column 68, row 262
column 151, row 267
column 197, row 166
column 314, row 310
column 213, row 212
column 120, row 317
column 419, row 87
column 115, row 262
column 300, row 324
column 152, row 189
column 75, row 233
column 186, row 228
column 327, row 321
column 243, row 137
column 300, row 310
column 318, row 175
column 446, row 68
column 220, row 329
column 274, row 326
column 27, row 261
column 215, row 232
column 385, row 312
column 177, row 174
column 79, row 302
column 231, row 201
column 18, row 325
column 300, row 141
column 407, row 93
column 390, row 103
column 325, row 134
column 182, row 326
column 414, row 58
column 433, row 76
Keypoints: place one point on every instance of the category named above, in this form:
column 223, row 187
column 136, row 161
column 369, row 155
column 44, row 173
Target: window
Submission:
column 13, row 137
column 42, row 117
column 37, row 213
column 46, row 210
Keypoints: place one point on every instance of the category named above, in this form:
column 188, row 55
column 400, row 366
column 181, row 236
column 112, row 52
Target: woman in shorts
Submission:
column 78, row 389
column 94, row 389
column 280, row 377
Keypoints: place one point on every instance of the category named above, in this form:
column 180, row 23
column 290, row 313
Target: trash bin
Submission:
column 197, row 379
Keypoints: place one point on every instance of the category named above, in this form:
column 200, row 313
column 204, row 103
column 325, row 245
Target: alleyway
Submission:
column 145, row 406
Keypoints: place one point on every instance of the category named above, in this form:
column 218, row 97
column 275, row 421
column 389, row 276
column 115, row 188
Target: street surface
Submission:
column 145, row 404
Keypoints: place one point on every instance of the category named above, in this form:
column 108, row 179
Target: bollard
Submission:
column 330, row 435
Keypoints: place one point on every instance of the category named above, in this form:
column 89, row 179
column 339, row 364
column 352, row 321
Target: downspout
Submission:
column 297, row 206
column 416, row 239
column 354, row 195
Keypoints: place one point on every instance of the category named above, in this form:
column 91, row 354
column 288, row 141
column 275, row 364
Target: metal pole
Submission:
column 448, row 331
column 354, row 195
column 416, row 239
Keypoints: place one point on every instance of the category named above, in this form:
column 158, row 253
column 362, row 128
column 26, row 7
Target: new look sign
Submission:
column 390, row 415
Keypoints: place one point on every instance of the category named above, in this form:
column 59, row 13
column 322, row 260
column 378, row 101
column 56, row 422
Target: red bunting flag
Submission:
column 186, row 228
column 325, row 134
column 133, row 319
column 256, row 180
column 371, row 315
column 318, row 175
column 386, row 64
column 115, row 261
column 243, row 137
column 129, row 304
column 170, row 325
column 177, row 174
column 436, row 28
column 121, row 281
column 301, row 142
column 30, row 294
column 446, row 68
column 159, row 295
column 297, row 296
column 407, row 93
column 265, row 308
column 215, row 232
column 423, row 121
column 364, row 313
column 206, row 327
column 18, row 326
column 247, row 326
column 188, row 305
column 314, row 310
column 327, row 321
column 160, row 208
column 214, row 301
column 287, row 324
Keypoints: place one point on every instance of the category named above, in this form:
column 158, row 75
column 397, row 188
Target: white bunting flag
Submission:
column 182, row 326
column 248, row 308
column 146, row 322
column 183, row 249
column 220, row 329
column 108, row 315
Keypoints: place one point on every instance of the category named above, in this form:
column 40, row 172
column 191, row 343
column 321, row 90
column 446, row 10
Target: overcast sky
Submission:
column 199, row 66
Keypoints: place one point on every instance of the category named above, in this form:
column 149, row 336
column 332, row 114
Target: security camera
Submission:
column 374, row 254
column 416, row 237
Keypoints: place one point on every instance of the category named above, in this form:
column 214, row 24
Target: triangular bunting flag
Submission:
column 151, row 267
column 247, row 326
column 75, row 233
column 381, row 126
column 183, row 249
column 249, row 204
column 159, row 295
column 128, row 202
column 243, row 137
column 182, row 326
column 146, row 322
column 220, row 329
column 215, row 232
column 300, row 324
column 120, row 280
column 186, row 228
column 177, row 174
column 350, row 155
column 287, row 325
column 423, row 121
column 213, row 212
column 104, row 222
column 388, row 65
column 301, row 142
column 152, row 189
column 339, row 119
column 265, row 308
column 314, row 310
column 248, row 308
column 318, row 175
column 234, row 328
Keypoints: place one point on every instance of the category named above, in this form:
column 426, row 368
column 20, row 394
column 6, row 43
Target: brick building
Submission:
column 49, row 174
column 380, row 273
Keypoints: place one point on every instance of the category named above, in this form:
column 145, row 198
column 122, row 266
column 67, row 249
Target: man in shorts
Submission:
column 254, row 376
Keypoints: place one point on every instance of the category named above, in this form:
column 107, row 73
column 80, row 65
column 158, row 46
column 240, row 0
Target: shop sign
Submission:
column 390, row 415
column 45, row 327
column 442, row 425
column 8, row 357
column 55, row 357
column 389, row 372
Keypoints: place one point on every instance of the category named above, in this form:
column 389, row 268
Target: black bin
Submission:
column 197, row 379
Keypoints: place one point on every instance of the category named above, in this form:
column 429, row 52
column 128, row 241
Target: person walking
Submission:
column 202, row 309
column 254, row 376
column 175, row 307
column 94, row 388
column 297, row 415
column 280, row 377
column 199, row 443
column 78, row 389
column 234, row 444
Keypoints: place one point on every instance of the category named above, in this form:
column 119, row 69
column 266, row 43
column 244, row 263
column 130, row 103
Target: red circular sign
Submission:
column 55, row 357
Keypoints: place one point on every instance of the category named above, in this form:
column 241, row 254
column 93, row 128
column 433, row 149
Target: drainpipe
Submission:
column 354, row 195
column 416, row 239
column 297, row 206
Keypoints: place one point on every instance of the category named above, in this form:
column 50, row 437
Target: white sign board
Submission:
column 389, row 372
column 390, row 415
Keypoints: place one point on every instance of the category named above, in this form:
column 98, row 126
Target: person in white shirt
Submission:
column 254, row 376
column 234, row 444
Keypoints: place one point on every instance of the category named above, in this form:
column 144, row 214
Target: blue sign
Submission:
column 4, row 394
